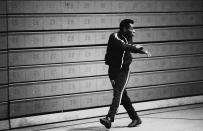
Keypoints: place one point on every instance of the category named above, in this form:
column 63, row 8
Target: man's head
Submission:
column 126, row 27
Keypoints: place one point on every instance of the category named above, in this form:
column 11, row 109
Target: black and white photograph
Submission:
column 101, row 65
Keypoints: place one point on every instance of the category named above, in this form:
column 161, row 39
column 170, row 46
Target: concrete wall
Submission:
column 52, row 52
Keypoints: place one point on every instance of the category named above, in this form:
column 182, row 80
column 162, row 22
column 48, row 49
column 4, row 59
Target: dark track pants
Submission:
column 119, row 79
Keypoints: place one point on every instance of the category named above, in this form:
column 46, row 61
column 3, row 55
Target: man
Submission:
column 118, row 57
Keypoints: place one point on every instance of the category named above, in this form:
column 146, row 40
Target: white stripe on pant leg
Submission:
column 123, row 90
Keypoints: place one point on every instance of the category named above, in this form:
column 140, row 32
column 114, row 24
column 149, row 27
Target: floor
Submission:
column 180, row 120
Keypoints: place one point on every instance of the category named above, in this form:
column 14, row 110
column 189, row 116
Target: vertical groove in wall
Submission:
column 49, row 67
column 8, row 64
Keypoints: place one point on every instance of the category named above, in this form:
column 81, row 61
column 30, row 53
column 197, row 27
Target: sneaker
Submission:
column 135, row 122
column 106, row 122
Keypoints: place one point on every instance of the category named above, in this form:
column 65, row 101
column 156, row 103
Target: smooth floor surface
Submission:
column 180, row 120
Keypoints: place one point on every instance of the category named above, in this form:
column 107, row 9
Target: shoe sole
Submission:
column 103, row 123
column 136, row 125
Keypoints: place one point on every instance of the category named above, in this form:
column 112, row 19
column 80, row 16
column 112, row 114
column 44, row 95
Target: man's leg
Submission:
column 126, row 102
column 119, row 78
column 118, row 89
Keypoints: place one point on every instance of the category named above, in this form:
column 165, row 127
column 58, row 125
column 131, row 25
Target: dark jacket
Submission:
column 118, row 53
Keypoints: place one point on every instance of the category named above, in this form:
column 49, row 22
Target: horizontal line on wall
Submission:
column 3, row 31
column 44, row 82
column 56, row 64
column 92, row 108
column 98, row 29
column 6, row 84
column 4, row 121
column 56, row 47
column 105, row 44
column 47, row 81
column 62, row 79
column 13, row 50
column 168, row 41
column 4, row 50
column 3, row 68
column 5, row 102
column 3, row 86
column 91, row 46
column 103, row 91
column 10, row 15
column 17, row 14
column 142, row 72
column 168, row 56
column 98, row 61
column 112, row 30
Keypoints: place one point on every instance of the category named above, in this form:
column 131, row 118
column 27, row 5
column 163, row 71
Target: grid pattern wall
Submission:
column 52, row 53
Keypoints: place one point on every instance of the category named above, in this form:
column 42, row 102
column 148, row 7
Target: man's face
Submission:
column 129, row 32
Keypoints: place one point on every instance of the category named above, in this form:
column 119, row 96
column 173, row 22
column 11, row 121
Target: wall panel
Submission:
column 79, row 54
column 3, row 76
column 24, row 74
column 67, row 22
column 3, row 41
column 4, row 124
column 3, row 7
column 165, row 91
column 68, row 86
column 3, row 111
column 37, row 106
column 170, row 34
column 29, row 40
column 3, row 23
column 166, row 63
column 89, row 6
column 80, row 85
column 57, row 72
column 3, row 59
column 173, row 48
column 165, row 77
column 52, row 56
column 3, row 93
column 97, row 99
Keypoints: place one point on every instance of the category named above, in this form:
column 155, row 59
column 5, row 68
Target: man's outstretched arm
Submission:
column 128, row 47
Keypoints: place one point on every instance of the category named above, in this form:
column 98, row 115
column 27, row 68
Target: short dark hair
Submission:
column 125, row 23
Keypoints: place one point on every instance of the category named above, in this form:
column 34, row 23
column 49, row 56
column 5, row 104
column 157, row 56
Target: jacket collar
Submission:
column 121, row 36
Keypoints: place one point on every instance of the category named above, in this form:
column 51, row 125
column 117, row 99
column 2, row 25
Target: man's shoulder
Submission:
column 114, row 35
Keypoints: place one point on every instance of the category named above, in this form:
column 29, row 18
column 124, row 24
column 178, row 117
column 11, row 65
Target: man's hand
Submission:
column 139, row 47
column 142, row 50
column 147, row 53
column 113, row 82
